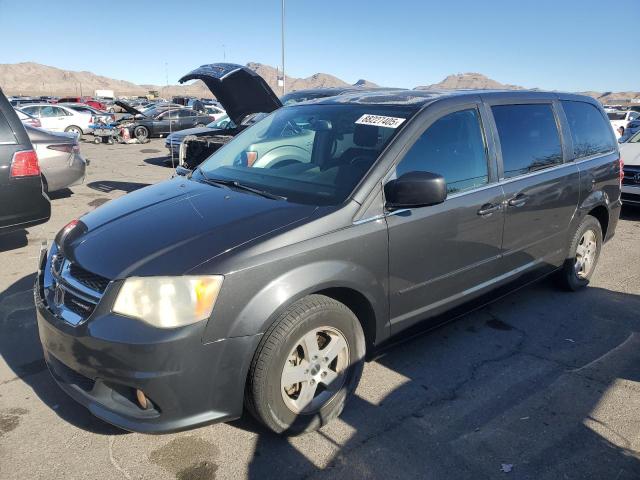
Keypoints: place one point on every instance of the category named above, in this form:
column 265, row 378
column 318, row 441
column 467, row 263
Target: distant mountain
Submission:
column 30, row 78
column 468, row 80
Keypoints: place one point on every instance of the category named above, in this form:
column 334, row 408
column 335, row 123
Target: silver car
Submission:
column 59, row 157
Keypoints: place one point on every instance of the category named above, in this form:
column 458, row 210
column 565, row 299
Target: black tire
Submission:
column 97, row 140
column 568, row 276
column 110, row 140
column 264, row 396
column 141, row 133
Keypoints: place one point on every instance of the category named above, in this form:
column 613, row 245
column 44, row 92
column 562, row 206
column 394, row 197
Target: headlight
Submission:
column 168, row 302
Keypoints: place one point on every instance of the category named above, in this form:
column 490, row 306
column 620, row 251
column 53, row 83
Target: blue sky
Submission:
column 563, row 44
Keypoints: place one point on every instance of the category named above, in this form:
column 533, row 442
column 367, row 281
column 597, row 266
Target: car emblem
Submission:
column 54, row 264
column 58, row 296
column 636, row 177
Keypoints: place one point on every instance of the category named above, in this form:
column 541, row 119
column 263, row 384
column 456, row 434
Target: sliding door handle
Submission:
column 489, row 208
column 518, row 201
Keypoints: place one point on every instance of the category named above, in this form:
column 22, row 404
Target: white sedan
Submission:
column 630, row 153
column 621, row 119
column 59, row 118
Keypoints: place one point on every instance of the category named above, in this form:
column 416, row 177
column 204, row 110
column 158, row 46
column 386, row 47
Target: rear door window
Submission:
column 529, row 138
column 35, row 111
column 590, row 132
column 452, row 147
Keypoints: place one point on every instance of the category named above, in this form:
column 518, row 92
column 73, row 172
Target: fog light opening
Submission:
column 142, row 399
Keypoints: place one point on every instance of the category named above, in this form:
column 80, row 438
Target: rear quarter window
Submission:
column 6, row 133
column 590, row 132
column 529, row 138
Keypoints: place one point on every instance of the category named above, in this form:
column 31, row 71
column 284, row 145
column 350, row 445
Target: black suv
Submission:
column 22, row 200
column 263, row 279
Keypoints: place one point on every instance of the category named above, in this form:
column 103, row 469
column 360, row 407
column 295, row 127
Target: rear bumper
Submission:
column 68, row 174
column 23, row 204
column 101, row 362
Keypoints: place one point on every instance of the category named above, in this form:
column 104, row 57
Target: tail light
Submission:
column 65, row 147
column 25, row 164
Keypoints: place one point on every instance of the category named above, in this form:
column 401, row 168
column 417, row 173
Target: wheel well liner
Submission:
column 359, row 305
column 602, row 215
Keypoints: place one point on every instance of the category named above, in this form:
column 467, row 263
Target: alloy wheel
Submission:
column 586, row 254
column 315, row 370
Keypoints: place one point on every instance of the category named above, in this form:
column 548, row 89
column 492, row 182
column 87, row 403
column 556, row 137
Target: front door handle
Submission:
column 488, row 208
column 518, row 201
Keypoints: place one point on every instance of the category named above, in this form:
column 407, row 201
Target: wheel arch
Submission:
column 342, row 281
column 601, row 213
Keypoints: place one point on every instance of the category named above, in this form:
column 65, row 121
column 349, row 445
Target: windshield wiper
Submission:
column 239, row 186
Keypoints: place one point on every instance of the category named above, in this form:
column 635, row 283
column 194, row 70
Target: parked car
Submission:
column 630, row 153
column 632, row 127
column 22, row 200
column 266, row 287
column 27, row 119
column 174, row 140
column 20, row 101
column 59, row 156
column 112, row 107
column 59, row 118
column 86, row 100
column 98, row 115
column 215, row 112
column 621, row 119
column 161, row 121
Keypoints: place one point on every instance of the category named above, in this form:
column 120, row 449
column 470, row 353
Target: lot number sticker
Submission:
column 380, row 121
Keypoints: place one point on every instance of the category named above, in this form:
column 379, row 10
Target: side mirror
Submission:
column 415, row 189
column 182, row 171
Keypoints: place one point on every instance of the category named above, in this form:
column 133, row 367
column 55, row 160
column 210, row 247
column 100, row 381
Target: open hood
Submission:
column 128, row 108
column 240, row 90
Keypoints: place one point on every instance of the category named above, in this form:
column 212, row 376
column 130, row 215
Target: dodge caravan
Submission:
column 265, row 284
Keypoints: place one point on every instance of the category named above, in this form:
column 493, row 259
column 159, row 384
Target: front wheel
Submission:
column 584, row 252
column 306, row 366
column 141, row 133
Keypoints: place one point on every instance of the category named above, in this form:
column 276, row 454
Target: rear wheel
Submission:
column 200, row 125
column 583, row 256
column 306, row 366
column 141, row 133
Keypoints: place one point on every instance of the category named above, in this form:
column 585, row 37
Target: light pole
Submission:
column 284, row 85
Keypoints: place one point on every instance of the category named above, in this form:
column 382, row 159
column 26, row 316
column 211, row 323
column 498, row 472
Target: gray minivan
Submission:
column 267, row 286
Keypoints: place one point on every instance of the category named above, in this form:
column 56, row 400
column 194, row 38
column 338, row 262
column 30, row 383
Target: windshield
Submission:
column 312, row 154
column 297, row 97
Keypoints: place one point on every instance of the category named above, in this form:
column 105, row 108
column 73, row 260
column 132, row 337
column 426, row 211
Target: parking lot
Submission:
column 541, row 384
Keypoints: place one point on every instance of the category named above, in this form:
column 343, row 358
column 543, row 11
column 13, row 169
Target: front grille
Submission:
column 71, row 292
column 78, row 305
column 88, row 279
column 57, row 262
column 631, row 176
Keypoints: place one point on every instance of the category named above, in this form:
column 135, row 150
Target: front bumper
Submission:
column 102, row 361
column 631, row 194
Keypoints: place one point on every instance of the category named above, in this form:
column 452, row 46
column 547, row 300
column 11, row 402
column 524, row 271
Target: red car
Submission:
column 87, row 100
